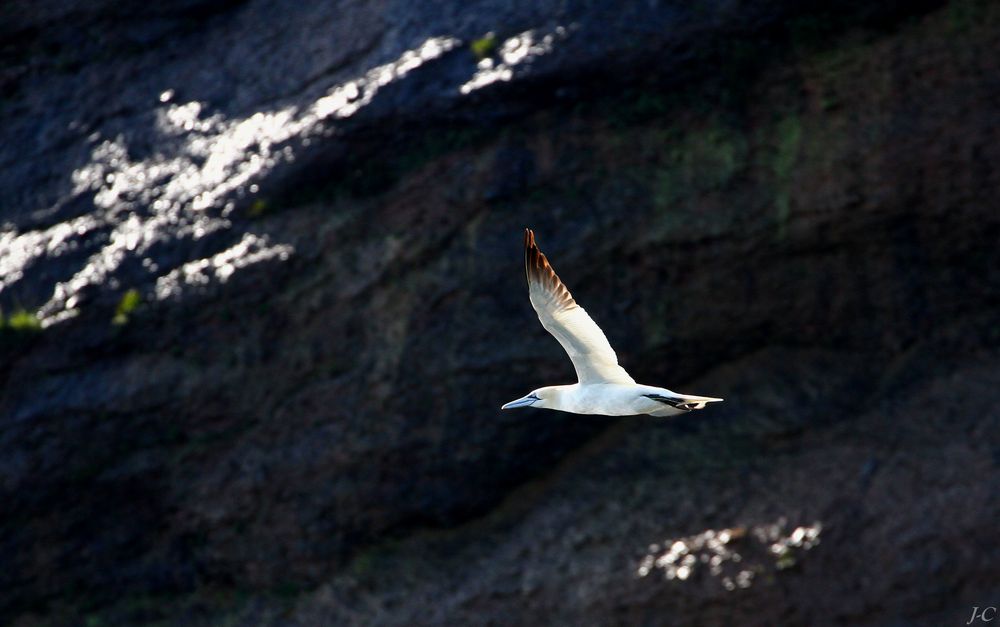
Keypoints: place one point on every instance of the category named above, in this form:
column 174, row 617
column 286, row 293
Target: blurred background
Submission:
column 262, row 296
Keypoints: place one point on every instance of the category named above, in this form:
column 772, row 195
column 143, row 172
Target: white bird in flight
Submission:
column 602, row 387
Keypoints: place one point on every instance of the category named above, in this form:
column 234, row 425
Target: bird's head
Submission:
column 542, row 397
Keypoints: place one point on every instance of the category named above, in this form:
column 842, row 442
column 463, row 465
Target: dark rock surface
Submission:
column 790, row 205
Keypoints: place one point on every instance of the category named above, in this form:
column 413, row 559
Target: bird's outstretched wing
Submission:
column 594, row 359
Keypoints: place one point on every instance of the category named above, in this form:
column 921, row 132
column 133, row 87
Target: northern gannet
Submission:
column 602, row 387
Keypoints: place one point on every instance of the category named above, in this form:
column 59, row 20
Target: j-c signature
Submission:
column 985, row 614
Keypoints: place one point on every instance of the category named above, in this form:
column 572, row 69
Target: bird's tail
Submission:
column 689, row 402
column 684, row 402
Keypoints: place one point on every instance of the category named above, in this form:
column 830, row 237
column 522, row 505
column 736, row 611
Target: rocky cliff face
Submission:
column 260, row 275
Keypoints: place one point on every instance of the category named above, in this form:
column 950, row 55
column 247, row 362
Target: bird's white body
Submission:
column 616, row 399
column 603, row 386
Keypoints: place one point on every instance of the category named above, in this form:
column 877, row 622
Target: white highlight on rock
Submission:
column 717, row 551
column 170, row 195
column 251, row 249
column 515, row 50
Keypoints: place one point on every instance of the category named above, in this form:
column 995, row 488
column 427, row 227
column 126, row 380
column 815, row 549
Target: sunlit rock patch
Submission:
column 735, row 556
column 251, row 249
column 521, row 48
column 187, row 190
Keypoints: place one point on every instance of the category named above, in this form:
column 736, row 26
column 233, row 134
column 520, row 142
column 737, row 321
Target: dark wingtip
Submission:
column 538, row 269
column 532, row 256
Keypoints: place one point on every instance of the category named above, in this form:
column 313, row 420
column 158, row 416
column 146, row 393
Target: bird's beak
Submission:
column 526, row 401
